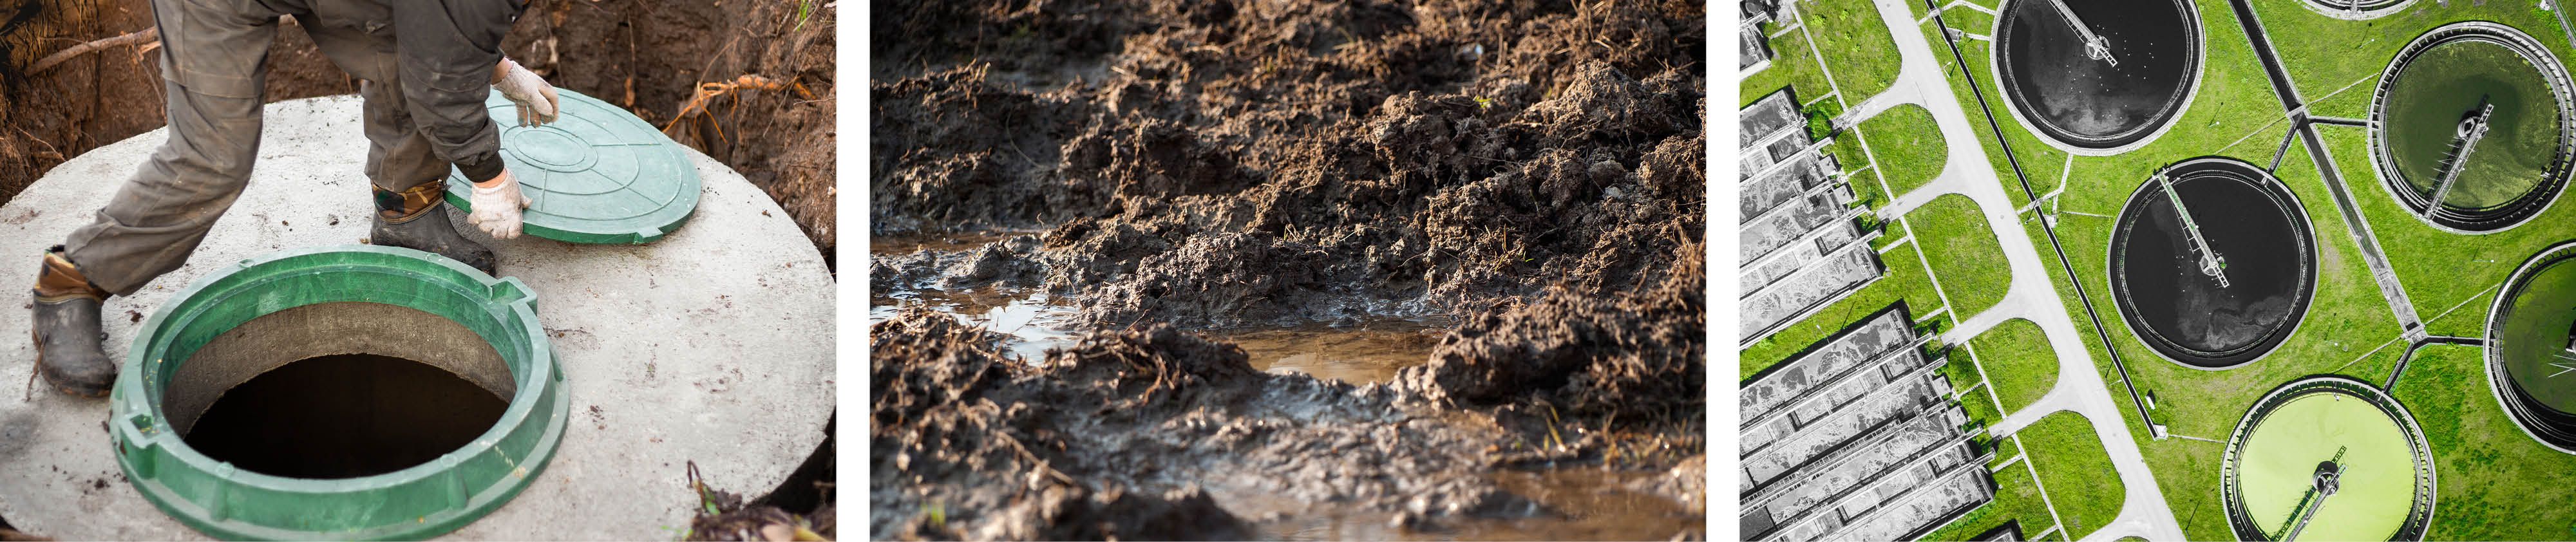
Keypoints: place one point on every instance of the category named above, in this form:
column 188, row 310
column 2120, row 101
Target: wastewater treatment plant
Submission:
column 2198, row 269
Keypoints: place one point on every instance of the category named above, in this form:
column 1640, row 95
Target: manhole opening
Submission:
column 338, row 390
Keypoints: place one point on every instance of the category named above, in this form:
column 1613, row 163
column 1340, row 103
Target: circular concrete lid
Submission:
column 596, row 175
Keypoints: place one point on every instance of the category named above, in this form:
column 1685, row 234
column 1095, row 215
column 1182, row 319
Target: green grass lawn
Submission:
column 2442, row 270
column 2490, row 486
column 1856, row 46
column 1965, row 258
column 2044, row 164
column 1907, row 146
column 1867, row 190
column 2016, row 499
column 1905, row 281
column 2018, row 362
column 1792, row 65
column 2075, row 471
column 1963, row 375
column 2323, row 54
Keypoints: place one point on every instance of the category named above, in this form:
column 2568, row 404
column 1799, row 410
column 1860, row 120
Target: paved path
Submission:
column 2080, row 387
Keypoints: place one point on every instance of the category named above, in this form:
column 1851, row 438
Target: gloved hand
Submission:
column 535, row 98
column 496, row 206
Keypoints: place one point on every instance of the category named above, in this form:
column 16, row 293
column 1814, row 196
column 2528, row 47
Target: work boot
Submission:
column 417, row 219
column 71, row 350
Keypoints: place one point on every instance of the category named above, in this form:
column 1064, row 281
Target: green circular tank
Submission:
column 2327, row 458
column 188, row 353
column 2427, row 110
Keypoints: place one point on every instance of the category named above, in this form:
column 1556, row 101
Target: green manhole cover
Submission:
column 217, row 350
column 597, row 175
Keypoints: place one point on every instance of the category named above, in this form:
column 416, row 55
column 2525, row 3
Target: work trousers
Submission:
column 213, row 65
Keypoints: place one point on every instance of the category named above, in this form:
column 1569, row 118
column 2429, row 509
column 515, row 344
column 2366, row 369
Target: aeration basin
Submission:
column 2198, row 312
column 349, row 392
column 2097, row 78
column 2424, row 149
column 2529, row 347
column 2328, row 458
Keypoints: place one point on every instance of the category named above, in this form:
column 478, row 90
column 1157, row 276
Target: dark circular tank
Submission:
column 2260, row 234
column 2055, row 83
column 2528, row 356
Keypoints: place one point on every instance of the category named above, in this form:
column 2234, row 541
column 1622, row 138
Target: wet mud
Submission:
column 1164, row 269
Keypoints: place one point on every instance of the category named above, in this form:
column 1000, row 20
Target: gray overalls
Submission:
column 426, row 66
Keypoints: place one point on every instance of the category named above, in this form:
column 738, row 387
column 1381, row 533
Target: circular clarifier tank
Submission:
column 2530, row 332
column 353, row 392
column 2357, row 10
column 2327, row 458
column 2097, row 77
column 2425, row 131
column 2195, row 311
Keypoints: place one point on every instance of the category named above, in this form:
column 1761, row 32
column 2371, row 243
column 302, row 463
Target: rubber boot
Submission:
column 417, row 219
column 71, row 350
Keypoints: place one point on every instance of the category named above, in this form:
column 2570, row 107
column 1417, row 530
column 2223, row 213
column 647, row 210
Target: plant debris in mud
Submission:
column 1534, row 169
column 1257, row 163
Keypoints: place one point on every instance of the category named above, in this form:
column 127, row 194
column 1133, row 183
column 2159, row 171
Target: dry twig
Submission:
column 148, row 35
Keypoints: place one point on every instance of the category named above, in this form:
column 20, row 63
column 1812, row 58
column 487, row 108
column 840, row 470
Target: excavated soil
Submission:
column 1530, row 173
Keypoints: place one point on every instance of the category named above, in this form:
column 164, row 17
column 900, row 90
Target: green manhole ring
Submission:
column 2270, row 471
column 597, row 175
column 424, row 500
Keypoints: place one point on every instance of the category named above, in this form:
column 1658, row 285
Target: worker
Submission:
column 424, row 66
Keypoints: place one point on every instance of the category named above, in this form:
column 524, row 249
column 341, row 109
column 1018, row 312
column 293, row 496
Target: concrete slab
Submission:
column 713, row 345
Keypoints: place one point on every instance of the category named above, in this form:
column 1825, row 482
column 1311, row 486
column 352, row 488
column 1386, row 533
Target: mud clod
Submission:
column 1531, row 172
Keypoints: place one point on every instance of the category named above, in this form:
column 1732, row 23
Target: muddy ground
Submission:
column 649, row 57
column 1532, row 171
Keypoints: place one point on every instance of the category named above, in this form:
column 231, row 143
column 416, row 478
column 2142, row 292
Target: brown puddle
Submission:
column 1574, row 503
column 1369, row 352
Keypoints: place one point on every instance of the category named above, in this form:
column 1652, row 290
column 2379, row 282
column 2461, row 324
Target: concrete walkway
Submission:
column 2080, row 387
